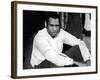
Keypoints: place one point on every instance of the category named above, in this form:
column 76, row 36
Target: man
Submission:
column 48, row 45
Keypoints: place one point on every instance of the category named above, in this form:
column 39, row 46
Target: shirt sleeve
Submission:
column 50, row 54
column 72, row 40
column 84, row 51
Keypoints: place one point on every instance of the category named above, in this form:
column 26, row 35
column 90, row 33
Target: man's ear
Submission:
column 45, row 23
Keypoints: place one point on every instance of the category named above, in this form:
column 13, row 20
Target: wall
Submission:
column 5, row 40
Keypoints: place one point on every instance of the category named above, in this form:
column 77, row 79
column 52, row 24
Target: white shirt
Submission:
column 46, row 47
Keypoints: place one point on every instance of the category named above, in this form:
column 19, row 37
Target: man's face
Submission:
column 53, row 27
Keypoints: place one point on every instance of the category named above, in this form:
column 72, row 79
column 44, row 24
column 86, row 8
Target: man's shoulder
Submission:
column 41, row 33
column 63, row 31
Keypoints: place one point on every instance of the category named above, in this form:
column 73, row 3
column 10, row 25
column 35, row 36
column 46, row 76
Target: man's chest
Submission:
column 56, row 43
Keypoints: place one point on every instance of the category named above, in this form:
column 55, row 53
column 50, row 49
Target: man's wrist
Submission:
column 88, row 62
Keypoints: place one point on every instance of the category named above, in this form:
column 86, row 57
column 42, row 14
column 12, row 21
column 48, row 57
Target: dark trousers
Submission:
column 48, row 64
column 73, row 52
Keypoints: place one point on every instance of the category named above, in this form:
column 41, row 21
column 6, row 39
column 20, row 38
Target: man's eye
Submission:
column 51, row 25
column 57, row 25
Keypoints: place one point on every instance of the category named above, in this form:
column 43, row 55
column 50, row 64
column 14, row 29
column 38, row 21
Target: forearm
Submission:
column 58, row 59
column 84, row 51
column 87, row 63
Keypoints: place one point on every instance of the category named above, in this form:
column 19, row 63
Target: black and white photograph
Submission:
column 53, row 39
column 56, row 39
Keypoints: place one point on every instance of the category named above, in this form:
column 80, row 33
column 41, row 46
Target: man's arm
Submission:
column 50, row 54
column 84, row 51
column 72, row 40
column 87, row 63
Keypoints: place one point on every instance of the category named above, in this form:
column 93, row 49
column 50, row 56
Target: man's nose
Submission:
column 54, row 28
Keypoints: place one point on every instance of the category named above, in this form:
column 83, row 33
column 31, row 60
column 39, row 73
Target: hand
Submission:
column 88, row 62
column 81, row 63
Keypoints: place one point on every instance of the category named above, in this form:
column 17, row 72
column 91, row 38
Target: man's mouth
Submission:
column 53, row 32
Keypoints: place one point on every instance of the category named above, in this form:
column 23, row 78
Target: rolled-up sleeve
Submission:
column 50, row 54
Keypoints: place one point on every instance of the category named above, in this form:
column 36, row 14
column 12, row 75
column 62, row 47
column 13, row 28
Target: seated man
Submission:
column 48, row 45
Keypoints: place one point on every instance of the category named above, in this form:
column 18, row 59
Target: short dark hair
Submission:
column 55, row 15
